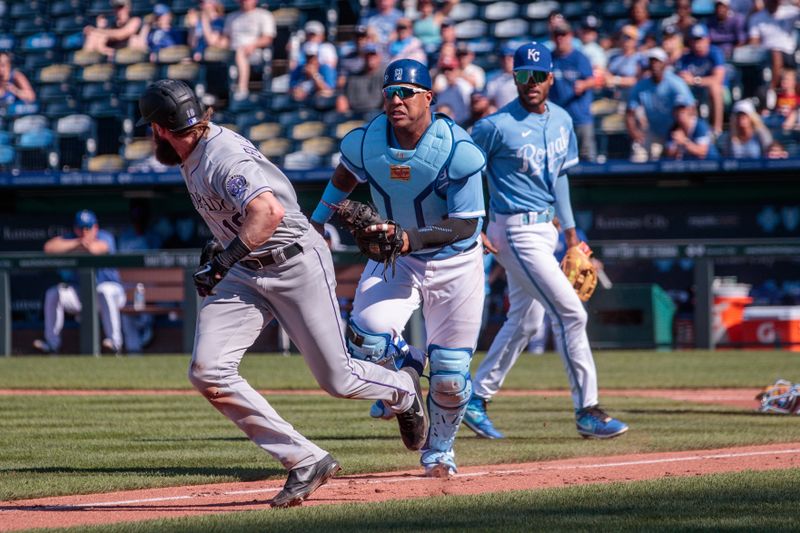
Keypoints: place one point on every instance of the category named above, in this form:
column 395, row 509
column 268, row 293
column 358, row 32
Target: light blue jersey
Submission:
column 527, row 154
column 439, row 179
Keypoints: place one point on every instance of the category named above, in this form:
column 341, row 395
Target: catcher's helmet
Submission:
column 171, row 104
column 407, row 71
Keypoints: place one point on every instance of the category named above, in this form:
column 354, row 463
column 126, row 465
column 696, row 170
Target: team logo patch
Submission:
column 400, row 172
column 236, row 186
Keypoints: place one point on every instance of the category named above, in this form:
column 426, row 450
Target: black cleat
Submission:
column 413, row 421
column 303, row 481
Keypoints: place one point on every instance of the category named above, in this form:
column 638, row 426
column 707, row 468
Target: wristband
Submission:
column 229, row 256
column 332, row 196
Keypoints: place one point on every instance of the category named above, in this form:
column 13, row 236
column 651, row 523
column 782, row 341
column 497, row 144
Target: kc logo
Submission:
column 533, row 55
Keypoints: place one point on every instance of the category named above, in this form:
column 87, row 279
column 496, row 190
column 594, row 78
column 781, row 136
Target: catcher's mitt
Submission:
column 781, row 397
column 378, row 239
column 581, row 273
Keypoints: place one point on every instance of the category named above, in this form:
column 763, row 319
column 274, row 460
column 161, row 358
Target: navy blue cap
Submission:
column 85, row 219
column 533, row 56
column 698, row 31
column 407, row 71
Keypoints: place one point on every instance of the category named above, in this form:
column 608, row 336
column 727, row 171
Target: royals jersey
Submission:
column 440, row 178
column 526, row 153
column 224, row 173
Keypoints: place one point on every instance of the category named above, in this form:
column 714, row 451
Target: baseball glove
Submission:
column 781, row 397
column 581, row 273
column 378, row 239
column 209, row 273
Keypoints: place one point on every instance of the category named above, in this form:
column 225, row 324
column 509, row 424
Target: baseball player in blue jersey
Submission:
column 424, row 173
column 530, row 144
column 266, row 263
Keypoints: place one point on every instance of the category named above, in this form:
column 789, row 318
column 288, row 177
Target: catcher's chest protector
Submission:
column 404, row 182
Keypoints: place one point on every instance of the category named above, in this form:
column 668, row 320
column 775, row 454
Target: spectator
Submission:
column 703, row 69
column 14, row 85
column 649, row 113
column 625, row 66
column 405, row 45
column 383, row 20
column 682, row 18
column 362, row 92
column 479, row 107
column 672, row 43
column 354, row 60
column 249, row 32
column 726, row 28
column 205, row 26
column 640, row 17
column 783, row 104
column 448, row 32
column 573, row 81
column 158, row 32
column 107, row 36
column 748, row 137
column 456, row 92
column 690, row 137
column 61, row 298
column 555, row 18
column 427, row 28
column 588, row 35
column 471, row 72
column 501, row 88
column 312, row 82
column 315, row 33
column 773, row 28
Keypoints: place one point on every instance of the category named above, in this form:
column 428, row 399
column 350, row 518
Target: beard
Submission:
column 165, row 153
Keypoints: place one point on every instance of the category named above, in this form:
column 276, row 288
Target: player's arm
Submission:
column 60, row 245
column 339, row 187
column 262, row 216
column 442, row 233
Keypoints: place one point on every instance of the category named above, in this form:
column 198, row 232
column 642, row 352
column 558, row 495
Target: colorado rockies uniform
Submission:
column 528, row 156
column 291, row 278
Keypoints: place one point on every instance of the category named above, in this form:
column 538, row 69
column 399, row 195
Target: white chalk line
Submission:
column 400, row 479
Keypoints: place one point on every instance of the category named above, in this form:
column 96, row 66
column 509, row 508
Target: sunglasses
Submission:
column 524, row 76
column 404, row 93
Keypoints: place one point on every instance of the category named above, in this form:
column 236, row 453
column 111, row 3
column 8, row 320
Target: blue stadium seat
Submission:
column 7, row 42
column 21, row 10
column 62, row 8
column 34, row 148
column 464, row 11
column 53, row 92
column 72, row 133
column 72, row 41
column 96, row 91
column 510, row 29
column 39, row 42
column 471, row 29
column 70, row 24
column 60, row 108
column 540, row 10
column 20, row 108
column 28, row 26
column 5, row 138
column 498, row 11
column 7, row 157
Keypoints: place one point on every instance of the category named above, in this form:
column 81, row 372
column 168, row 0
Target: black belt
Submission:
column 275, row 257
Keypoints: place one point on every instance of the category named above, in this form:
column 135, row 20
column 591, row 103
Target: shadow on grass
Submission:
column 242, row 474
column 692, row 412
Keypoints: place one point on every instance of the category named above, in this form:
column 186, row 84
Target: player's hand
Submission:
column 390, row 230
column 207, row 276
column 488, row 247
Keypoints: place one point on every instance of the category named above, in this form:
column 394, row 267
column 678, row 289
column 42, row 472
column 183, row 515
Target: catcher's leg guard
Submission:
column 451, row 389
column 376, row 348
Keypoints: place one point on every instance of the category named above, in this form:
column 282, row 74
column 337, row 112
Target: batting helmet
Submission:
column 171, row 104
column 407, row 71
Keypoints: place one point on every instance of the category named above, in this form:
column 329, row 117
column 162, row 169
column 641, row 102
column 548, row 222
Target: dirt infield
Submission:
column 139, row 505
column 130, row 506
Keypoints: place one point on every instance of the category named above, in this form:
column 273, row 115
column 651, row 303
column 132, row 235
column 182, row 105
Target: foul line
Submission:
column 396, row 479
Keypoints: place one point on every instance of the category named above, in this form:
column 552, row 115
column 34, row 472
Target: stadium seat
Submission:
column 73, row 41
column 53, row 92
column 500, row 11
column 539, row 29
column 129, row 56
column 62, row 8
column 614, row 10
column 34, row 149
column 264, row 131
column 181, row 7
column 98, row 7
column 306, row 130
column 20, row 108
column 60, row 73
column 470, row 29
column 60, row 108
column 510, row 29
column 139, row 72
column 275, row 147
column 605, row 106
column 24, row 10
column 29, row 123
column 105, row 163
column 301, row 161
column 540, row 10
column 464, row 11
column 7, row 42
column 287, row 16
column 344, row 128
column 138, row 149
column 174, row 54
column 84, row 58
column 319, row 146
column 188, row 72
column 101, row 73
column 7, row 157
column 72, row 133
column 5, row 138
column 28, row 26
column 212, row 54
column 70, row 24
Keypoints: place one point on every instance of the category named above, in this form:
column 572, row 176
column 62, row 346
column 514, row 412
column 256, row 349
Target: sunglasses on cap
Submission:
column 404, row 93
column 524, row 76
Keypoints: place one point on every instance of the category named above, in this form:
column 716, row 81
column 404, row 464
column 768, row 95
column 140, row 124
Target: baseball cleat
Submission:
column 440, row 465
column 594, row 423
column 380, row 410
column 43, row 347
column 476, row 419
column 303, row 481
column 413, row 421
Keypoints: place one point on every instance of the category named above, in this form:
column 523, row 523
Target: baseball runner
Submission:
column 530, row 144
column 264, row 263
column 424, row 175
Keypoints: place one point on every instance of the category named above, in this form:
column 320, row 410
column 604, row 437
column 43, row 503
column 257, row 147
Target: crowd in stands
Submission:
column 679, row 79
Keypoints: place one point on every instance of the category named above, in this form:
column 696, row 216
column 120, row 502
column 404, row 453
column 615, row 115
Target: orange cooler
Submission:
column 772, row 327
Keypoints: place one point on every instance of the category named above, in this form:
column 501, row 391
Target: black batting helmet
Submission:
column 171, row 104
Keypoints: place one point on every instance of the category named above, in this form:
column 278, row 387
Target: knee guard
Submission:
column 451, row 389
column 378, row 348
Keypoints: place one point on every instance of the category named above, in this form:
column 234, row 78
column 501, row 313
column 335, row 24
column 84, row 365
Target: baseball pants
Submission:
column 63, row 298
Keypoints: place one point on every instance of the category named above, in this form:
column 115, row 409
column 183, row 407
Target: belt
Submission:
column 273, row 257
column 523, row 219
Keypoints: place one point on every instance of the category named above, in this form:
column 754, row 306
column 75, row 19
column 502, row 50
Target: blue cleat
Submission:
column 380, row 410
column 594, row 423
column 476, row 419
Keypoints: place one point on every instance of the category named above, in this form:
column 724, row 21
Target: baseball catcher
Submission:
column 378, row 239
column 580, row 271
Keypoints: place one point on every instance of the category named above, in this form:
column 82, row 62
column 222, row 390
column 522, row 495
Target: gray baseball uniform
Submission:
column 223, row 174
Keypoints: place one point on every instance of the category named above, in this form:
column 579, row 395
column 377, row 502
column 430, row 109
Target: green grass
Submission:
column 615, row 369
column 748, row 501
